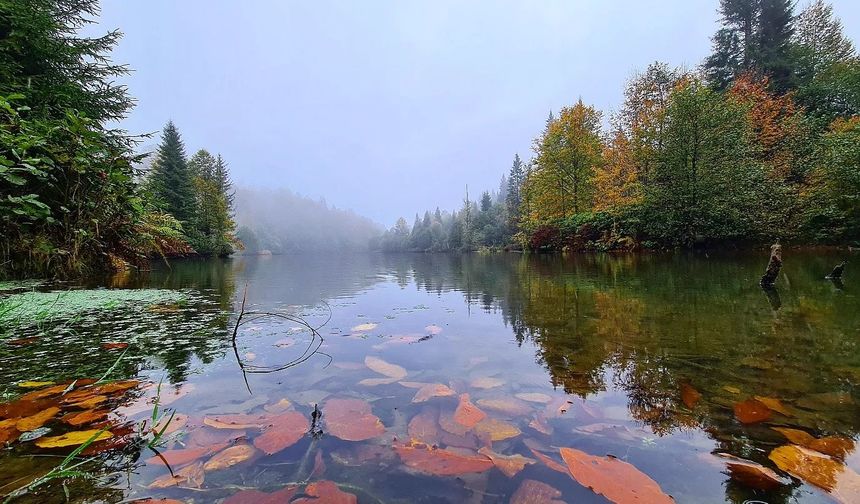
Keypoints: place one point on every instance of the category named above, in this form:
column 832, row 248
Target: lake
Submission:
column 443, row 378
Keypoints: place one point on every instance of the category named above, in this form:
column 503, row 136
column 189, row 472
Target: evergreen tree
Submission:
column 775, row 29
column 486, row 201
column 515, row 184
column 735, row 43
column 170, row 181
column 819, row 41
column 222, row 180
column 202, row 164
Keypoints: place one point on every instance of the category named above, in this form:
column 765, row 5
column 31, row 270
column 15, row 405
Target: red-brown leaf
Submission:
column 326, row 492
column 751, row 411
column 616, row 480
column 257, row 497
column 351, row 419
column 535, row 492
column 441, row 462
column 689, row 395
column 467, row 414
column 286, row 430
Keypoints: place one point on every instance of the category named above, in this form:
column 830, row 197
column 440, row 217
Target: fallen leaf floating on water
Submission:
column 487, row 382
column 85, row 417
column 89, row 403
column 8, row 431
column 496, row 430
column 229, row 457
column 535, row 492
column 257, row 497
column 510, row 465
column 364, row 327
column 535, row 397
column 191, row 476
column 34, row 384
column 614, row 479
column 326, row 492
column 751, row 474
column 203, row 437
column 820, row 470
column 72, row 438
column 432, row 390
column 373, row 382
column 35, row 421
column 286, row 430
column 279, row 407
column 751, row 411
column 385, row 368
column 831, row 445
column 44, row 393
column 351, row 419
column 773, row 404
column 467, row 414
column 439, row 462
column 689, row 395
column 509, row 406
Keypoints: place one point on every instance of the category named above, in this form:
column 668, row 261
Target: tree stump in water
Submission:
column 836, row 274
column 773, row 266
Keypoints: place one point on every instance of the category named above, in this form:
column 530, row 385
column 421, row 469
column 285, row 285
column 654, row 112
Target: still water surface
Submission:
column 641, row 357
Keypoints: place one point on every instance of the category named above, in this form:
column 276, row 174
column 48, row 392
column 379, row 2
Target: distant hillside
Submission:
column 281, row 221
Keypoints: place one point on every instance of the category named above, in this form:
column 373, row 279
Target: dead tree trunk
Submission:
column 773, row 266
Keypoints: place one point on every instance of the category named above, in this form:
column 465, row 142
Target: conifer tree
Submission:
column 222, row 179
column 171, row 182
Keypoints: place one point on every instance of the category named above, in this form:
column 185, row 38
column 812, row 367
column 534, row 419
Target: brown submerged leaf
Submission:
column 751, row 474
column 373, row 382
column 191, row 476
column 432, row 390
column 229, row 457
column 114, row 346
column 286, row 430
column 540, row 424
column 423, row 427
column 818, row 469
column 510, row 407
column 439, row 462
column 535, row 397
column 257, row 497
column 237, row 421
column 180, row 457
column 351, row 419
column 385, row 368
column 80, row 418
column 510, row 465
column 496, row 430
column 535, row 448
column 689, row 395
column 326, row 492
column 487, row 382
column 616, row 480
column 467, row 414
column 751, row 411
column 535, row 492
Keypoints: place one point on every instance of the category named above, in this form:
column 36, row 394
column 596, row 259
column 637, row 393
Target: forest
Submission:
column 760, row 143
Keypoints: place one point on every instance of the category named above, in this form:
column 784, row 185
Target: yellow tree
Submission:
column 567, row 154
column 616, row 181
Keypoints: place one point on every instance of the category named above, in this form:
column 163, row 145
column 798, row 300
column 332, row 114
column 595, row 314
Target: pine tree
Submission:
column 775, row 29
column 222, row 179
column 513, row 196
column 170, row 181
column 202, row 164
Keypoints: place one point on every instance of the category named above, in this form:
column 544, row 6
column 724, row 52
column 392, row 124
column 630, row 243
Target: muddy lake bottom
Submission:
column 438, row 378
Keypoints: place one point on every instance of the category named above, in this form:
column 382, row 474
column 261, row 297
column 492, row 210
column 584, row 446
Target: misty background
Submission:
column 387, row 108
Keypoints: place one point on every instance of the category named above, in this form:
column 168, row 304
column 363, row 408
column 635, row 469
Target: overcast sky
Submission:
column 390, row 107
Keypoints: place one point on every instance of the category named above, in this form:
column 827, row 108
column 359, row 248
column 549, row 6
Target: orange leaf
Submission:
column 440, row 462
column 286, row 430
column 191, row 476
column 44, row 393
column 351, row 419
column 84, row 417
column 432, row 390
column 510, row 465
column 231, row 456
column 774, row 404
column 603, row 475
column 467, row 414
column 834, row 446
column 751, row 411
column 552, row 464
column 237, row 421
column 90, row 403
column 257, row 497
column 183, row 456
column 535, row 492
column 540, row 424
column 71, row 439
column 39, row 419
column 812, row 467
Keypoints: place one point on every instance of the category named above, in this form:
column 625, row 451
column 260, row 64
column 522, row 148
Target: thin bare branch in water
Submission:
column 312, row 349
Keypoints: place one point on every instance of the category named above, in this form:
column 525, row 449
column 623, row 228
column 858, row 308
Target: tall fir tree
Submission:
column 171, row 181
column 515, row 184
column 773, row 44
column 222, row 179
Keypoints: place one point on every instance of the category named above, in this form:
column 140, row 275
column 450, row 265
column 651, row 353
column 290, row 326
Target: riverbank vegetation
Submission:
column 760, row 143
column 72, row 202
